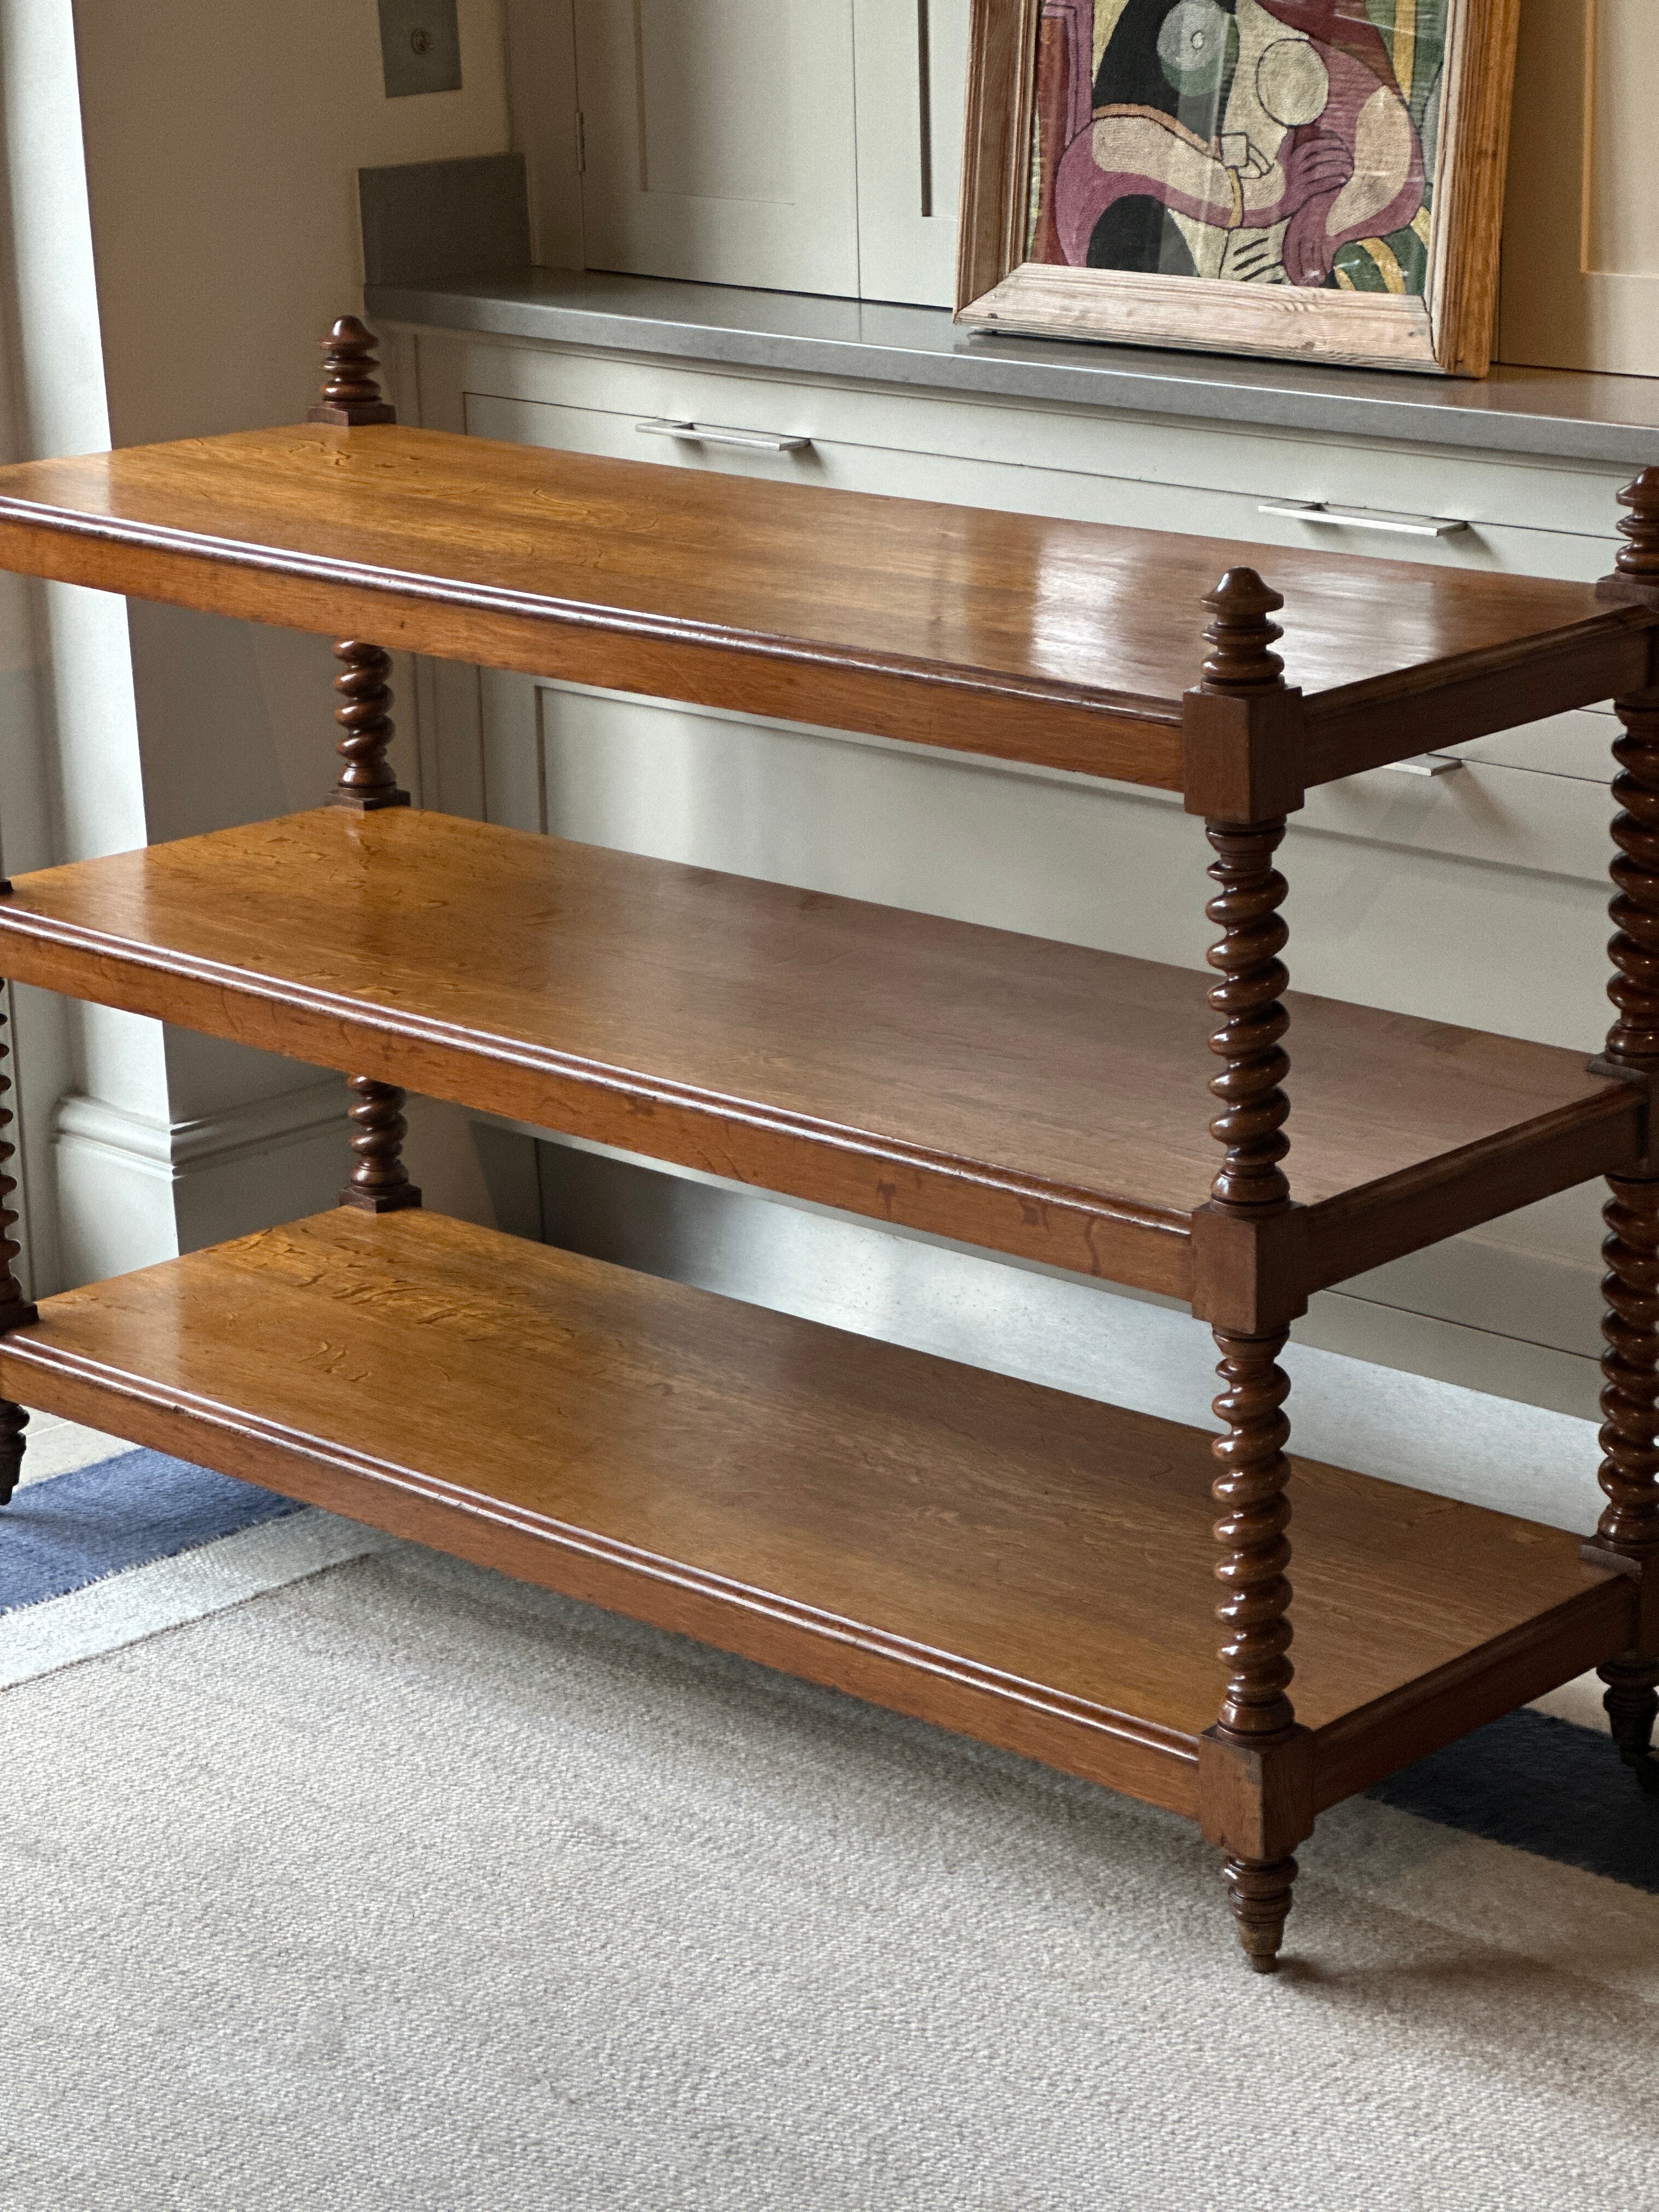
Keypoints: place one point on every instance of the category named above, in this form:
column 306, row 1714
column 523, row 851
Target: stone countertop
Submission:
column 1546, row 413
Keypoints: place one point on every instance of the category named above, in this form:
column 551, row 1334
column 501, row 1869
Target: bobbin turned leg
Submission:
column 380, row 1183
column 1630, row 1366
column 1255, row 1772
column 351, row 399
column 1257, row 1718
column 1630, row 1443
column 15, row 1309
column 367, row 780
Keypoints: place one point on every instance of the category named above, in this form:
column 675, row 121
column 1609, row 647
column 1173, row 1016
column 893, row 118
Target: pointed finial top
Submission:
column 1240, row 636
column 351, row 390
column 1638, row 556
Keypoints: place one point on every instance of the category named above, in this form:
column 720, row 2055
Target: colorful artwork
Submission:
column 1262, row 141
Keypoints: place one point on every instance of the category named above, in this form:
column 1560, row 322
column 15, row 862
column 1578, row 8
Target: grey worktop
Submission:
column 1560, row 414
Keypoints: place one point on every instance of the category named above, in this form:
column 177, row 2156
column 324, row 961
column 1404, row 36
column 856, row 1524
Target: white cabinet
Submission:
column 1505, row 858
column 790, row 145
column 1581, row 223
column 717, row 140
column 910, row 69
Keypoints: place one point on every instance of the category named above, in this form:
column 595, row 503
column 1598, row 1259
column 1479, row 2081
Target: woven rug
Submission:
column 374, row 1880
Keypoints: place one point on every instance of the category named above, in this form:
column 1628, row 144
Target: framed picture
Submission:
column 1301, row 178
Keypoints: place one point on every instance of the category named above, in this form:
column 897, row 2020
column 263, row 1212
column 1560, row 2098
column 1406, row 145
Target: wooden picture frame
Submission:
column 1422, row 296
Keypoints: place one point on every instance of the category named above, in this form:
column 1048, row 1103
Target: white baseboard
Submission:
column 132, row 1189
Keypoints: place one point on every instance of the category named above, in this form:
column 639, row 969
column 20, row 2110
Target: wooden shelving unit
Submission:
column 1036, row 1570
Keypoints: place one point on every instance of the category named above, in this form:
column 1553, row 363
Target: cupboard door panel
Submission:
column 718, row 140
column 912, row 74
column 1581, row 250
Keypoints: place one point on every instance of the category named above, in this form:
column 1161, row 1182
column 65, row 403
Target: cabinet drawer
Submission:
column 1538, row 518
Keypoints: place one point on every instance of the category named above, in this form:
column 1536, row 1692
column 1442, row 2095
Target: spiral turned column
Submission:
column 1245, row 999
column 367, row 779
column 1630, row 1364
column 379, row 1181
column 350, row 400
column 1256, row 1714
column 1249, row 1489
column 15, row 1309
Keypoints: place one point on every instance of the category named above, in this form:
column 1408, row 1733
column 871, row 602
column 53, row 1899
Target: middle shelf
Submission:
column 1039, row 1099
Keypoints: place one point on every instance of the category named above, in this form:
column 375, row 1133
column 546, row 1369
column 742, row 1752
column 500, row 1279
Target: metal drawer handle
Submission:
column 1359, row 518
column 710, row 434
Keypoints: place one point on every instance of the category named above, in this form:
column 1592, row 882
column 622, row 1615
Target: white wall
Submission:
column 172, row 279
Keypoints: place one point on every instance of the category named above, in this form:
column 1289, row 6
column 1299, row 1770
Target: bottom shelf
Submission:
column 1026, row 1567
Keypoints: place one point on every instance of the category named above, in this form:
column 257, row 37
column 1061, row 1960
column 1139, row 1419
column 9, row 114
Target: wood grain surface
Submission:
column 1202, row 314
column 1029, row 1567
column 1035, row 1098
column 1063, row 642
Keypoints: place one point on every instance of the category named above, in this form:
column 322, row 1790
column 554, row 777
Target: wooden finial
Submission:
column 1240, row 636
column 351, row 391
column 1635, row 578
column 1638, row 556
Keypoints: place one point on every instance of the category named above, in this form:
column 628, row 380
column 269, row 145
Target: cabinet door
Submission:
column 912, row 85
column 718, row 140
column 1581, row 245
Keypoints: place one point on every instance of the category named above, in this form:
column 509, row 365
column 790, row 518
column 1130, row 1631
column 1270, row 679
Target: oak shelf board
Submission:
column 1029, row 1567
column 1036, row 639
column 1037, row 1098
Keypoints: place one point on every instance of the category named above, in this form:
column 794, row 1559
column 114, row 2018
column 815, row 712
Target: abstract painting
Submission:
column 1282, row 176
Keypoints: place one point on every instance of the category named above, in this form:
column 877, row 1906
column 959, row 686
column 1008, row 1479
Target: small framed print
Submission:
column 1306, row 179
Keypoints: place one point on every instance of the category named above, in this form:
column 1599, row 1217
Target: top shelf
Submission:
column 1064, row 643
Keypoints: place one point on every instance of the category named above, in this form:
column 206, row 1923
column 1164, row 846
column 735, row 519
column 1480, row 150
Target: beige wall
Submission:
column 222, row 141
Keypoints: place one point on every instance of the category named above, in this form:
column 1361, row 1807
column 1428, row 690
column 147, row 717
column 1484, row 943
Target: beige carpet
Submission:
column 404, row 1887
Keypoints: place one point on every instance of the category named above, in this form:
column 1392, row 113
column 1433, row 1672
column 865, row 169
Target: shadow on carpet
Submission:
column 1541, row 1785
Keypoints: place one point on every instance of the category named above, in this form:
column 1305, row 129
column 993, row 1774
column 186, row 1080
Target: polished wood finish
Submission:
column 1246, row 1000
column 1255, row 1552
column 1629, row 1526
column 1635, row 578
column 1251, row 1188
column 379, row 1181
column 351, row 386
column 1464, row 281
column 1632, row 1699
column 1259, row 1890
column 996, row 154
column 16, row 1310
column 367, row 780
column 1053, row 641
column 1034, row 1098
column 1022, row 1566
column 351, row 395
column 1005, row 1560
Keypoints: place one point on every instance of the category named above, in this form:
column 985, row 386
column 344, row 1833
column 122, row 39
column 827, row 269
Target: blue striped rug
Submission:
column 1531, row 1781
column 59, row 1535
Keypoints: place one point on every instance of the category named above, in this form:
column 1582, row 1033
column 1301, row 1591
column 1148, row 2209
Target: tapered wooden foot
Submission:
column 1259, row 1892
column 13, row 1422
column 1632, row 1705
